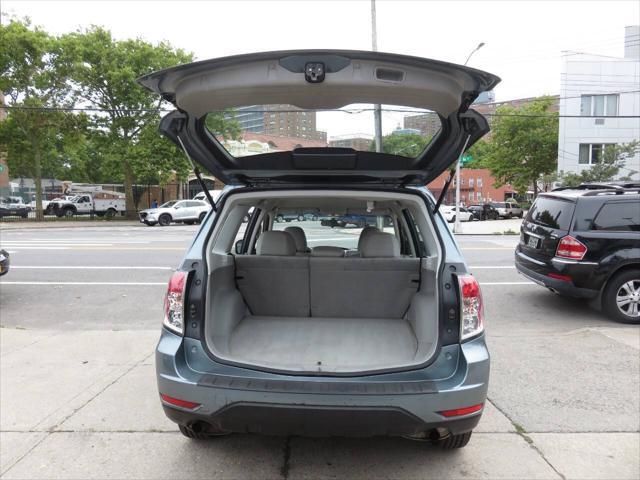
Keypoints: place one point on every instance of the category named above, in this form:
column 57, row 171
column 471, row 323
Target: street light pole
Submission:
column 377, row 108
column 456, row 225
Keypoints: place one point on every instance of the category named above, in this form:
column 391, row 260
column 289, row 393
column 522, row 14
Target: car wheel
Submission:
column 109, row 214
column 201, row 431
column 201, row 217
column 164, row 220
column 520, row 215
column 279, row 219
column 69, row 212
column 621, row 299
column 150, row 224
column 301, row 218
column 314, row 218
column 454, row 441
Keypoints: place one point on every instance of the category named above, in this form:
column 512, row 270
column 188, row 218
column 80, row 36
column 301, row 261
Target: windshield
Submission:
column 258, row 129
column 169, row 204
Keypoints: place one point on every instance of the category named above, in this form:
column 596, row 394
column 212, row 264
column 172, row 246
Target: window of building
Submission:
column 471, row 183
column 591, row 153
column 618, row 216
column 599, row 105
column 478, row 196
column 479, row 182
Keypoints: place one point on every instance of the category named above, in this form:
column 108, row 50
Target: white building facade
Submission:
column 599, row 106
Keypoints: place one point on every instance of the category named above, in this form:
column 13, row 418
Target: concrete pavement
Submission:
column 78, row 396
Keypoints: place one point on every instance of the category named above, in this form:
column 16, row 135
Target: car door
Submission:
column 323, row 82
column 180, row 211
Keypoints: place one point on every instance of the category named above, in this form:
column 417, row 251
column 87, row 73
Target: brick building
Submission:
column 281, row 120
column 357, row 141
column 476, row 186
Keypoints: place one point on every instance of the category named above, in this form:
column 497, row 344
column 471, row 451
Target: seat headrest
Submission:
column 366, row 231
column 379, row 244
column 299, row 237
column 273, row 242
column 327, row 251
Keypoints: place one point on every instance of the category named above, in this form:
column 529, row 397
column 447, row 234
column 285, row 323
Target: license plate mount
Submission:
column 532, row 242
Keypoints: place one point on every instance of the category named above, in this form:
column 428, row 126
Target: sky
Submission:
column 523, row 40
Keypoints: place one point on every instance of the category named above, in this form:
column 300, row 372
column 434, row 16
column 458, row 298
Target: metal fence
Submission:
column 19, row 204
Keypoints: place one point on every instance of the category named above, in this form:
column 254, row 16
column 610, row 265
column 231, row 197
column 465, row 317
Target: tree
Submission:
column 613, row 160
column 125, row 125
column 34, row 77
column 524, row 145
column 478, row 153
column 407, row 145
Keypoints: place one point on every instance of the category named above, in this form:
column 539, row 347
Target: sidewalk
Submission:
column 509, row 226
column 84, row 404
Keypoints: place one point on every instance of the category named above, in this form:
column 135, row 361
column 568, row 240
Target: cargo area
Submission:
column 283, row 305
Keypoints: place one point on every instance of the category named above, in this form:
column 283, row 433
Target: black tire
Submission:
column 68, row 212
column 109, row 214
column 619, row 283
column 25, row 215
column 520, row 215
column 164, row 220
column 201, row 217
column 197, row 434
column 279, row 219
column 455, row 441
column 314, row 218
column 301, row 218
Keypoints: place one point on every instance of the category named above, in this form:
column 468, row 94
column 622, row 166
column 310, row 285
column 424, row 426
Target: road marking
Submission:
column 95, row 267
column 85, row 283
column 508, row 283
column 478, row 267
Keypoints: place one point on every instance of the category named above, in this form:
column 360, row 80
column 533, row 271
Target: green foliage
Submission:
column 407, row 145
column 478, row 153
column 34, row 77
column 523, row 146
column 613, row 160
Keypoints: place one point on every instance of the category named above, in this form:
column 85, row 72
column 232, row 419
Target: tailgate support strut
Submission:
column 196, row 171
column 452, row 173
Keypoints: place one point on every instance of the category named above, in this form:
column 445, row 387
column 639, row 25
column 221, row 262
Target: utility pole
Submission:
column 377, row 108
column 456, row 225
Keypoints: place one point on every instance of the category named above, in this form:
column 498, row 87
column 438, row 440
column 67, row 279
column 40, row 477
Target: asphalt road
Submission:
column 558, row 366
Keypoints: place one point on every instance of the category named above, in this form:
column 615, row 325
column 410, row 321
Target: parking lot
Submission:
column 81, row 311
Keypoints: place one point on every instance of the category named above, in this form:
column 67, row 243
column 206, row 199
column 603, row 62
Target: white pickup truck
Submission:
column 102, row 203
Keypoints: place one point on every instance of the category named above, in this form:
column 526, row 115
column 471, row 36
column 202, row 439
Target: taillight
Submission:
column 174, row 303
column 179, row 403
column 569, row 247
column 472, row 313
column 456, row 412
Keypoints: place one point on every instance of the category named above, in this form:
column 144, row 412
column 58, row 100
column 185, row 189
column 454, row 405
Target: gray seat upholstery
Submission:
column 366, row 231
column 322, row 251
column 300, row 239
column 380, row 284
column 275, row 281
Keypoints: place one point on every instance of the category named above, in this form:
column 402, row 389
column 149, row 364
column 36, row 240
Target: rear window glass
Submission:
column 618, row 217
column 328, row 229
column 552, row 213
column 259, row 129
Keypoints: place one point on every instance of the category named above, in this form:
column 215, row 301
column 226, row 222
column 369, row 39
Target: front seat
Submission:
column 300, row 238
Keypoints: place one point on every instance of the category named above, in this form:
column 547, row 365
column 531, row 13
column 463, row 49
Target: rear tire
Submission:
column 109, row 214
column 455, row 441
column 164, row 220
column 201, row 217
column 68, row 212
column 279, row 219
column 301, row 218
column 619, row 288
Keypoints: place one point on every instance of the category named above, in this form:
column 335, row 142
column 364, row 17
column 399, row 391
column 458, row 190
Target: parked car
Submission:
column 13, row 207
column 178, row 211
column 585, row 243
column 4, row 262
column 484, row 212
column 203, row 197
column 449, row 213
column 260, row 338
column 507, row 209
column 102, row 203
column 47, row 206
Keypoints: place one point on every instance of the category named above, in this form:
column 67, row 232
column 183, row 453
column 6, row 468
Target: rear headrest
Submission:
column 366, row 231
column 378, row 244
column 327, row 251
column 274, row 242
column 299, row 237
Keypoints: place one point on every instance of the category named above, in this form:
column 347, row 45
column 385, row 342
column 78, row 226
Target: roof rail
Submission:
column 615, row 191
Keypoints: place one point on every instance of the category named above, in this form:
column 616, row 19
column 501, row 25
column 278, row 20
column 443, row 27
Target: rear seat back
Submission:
column 276, row 281
column 381, row 284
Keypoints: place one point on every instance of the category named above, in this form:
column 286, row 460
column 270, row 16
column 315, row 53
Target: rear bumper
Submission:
column 403, row 403
column 538, row 272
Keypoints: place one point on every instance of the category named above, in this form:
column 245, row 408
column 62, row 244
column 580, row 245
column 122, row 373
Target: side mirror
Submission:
column 176, row 207
column 238, row 247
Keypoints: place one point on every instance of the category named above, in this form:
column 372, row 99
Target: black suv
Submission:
column 584, row 242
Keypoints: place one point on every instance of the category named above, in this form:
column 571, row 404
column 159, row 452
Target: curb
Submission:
column 77, row 224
